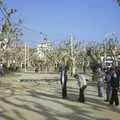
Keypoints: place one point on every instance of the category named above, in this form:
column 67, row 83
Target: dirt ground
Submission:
column 30, row 96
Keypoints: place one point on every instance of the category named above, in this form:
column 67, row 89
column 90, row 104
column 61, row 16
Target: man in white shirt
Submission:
column 82, row 85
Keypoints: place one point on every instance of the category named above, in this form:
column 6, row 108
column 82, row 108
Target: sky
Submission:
column 89, row 20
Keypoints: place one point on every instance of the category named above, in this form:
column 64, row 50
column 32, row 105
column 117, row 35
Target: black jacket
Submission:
column 114, row 81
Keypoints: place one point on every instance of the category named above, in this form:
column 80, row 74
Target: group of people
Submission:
column 109, row 78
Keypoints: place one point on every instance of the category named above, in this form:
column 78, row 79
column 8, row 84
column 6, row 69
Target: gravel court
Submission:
column 42, row 101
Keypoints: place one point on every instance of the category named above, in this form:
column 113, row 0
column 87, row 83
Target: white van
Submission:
column 108, row 62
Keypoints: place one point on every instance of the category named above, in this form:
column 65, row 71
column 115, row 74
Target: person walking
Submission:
column 115, row 87
column 82, row 86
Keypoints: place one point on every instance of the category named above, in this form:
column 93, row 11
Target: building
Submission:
column 43, row 48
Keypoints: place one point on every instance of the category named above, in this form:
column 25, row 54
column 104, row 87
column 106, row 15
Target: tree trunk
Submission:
column 74, row 67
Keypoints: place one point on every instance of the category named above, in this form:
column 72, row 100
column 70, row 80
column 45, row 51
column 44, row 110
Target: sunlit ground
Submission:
column 33, row 96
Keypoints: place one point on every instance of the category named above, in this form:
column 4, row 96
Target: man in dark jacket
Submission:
column 63, row 80
column 115, row 87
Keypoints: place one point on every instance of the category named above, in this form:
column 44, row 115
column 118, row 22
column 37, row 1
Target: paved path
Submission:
column 40, row 99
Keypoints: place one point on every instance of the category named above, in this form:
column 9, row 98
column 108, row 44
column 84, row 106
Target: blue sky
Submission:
column 85, row 19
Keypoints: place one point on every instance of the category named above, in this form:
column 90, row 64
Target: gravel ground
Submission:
column 30, row 96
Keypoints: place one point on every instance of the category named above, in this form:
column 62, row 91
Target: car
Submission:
column 107, row 62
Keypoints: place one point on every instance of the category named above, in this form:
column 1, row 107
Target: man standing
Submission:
column 108, row 85
column 63, row 80
column 82, row 86
column 115, row 87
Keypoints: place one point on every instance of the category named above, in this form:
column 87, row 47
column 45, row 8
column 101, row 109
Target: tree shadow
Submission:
column 47, row 111
column 44, row 111
column 2, row 109
column 76, row 110
column 78, row 113
column 18, row 114
column 37, row 80
column 6, row 117
column 115, row 109
column 97, row 104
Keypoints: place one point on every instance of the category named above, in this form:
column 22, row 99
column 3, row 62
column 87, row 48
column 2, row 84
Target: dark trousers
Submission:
column 64, row 91
column 108, row 93
column 81, row 94
column 100, row 91
column 114, row 97
column 61, row 78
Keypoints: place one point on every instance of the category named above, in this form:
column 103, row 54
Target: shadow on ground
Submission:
column 33, row 102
